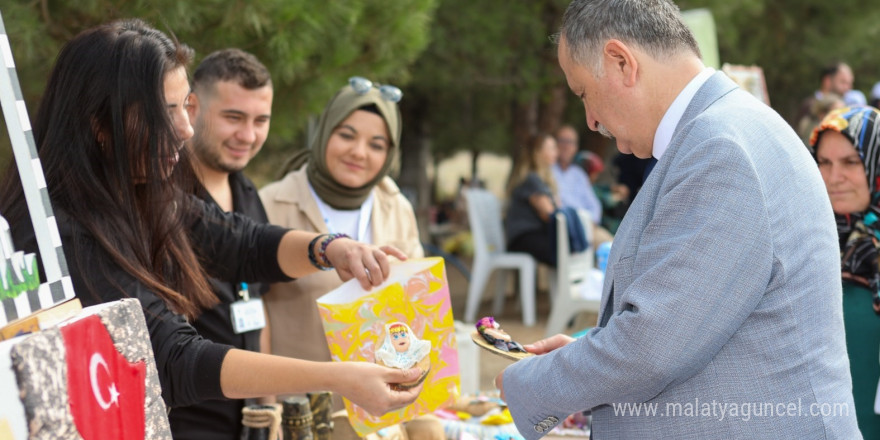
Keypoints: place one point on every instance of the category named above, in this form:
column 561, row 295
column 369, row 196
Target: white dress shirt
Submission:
column 673, row 115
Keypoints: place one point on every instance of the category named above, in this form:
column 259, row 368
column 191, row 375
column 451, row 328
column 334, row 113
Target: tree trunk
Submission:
column 553, row 108
column 525, row 123
column 475, row 156
column 415, row 151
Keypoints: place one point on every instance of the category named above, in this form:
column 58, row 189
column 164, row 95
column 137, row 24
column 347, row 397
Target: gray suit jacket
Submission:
column 722, row 300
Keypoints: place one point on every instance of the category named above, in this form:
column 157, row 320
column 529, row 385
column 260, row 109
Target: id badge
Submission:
column 247, row 315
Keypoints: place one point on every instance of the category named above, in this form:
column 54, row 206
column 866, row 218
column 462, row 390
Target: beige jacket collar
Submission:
column 296, row 193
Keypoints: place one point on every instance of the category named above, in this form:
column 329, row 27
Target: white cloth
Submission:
column 854, row 98
column 877, row 396
column 877, row 400
column 353, row 222
column 875, row 91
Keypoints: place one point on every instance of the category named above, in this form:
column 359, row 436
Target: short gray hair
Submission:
column 654, row 26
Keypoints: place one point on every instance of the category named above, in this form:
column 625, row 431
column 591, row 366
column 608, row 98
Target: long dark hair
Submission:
column 105, row 140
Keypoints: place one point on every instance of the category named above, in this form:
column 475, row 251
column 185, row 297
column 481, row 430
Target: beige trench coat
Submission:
column 294, row 322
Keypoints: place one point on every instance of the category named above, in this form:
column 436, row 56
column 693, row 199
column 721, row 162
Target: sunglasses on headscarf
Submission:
column 361, row 86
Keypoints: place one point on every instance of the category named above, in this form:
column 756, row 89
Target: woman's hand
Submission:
column 246, row 374
column 369, row 264
column 371, row 386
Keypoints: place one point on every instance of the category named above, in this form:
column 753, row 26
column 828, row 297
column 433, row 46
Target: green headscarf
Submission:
column 340, row 106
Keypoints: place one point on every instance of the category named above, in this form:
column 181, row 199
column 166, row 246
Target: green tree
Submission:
column 489, row 76
column 488, row 80
column 310, row 48
column 792, row 39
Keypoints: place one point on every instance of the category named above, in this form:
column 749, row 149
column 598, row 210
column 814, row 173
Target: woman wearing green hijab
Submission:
column 340, row 184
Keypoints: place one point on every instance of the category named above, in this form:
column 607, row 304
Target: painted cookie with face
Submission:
column 402, row 349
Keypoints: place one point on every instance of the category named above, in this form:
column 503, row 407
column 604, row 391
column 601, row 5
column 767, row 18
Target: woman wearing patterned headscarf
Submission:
column 847, row 149
column 340, row 184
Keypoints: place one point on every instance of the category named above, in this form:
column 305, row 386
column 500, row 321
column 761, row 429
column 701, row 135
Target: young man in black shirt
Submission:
column 230, row 107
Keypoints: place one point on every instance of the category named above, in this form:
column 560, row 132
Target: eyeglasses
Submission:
column 362, row 85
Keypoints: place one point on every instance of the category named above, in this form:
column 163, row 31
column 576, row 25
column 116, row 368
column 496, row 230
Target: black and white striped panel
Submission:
column 58, row 286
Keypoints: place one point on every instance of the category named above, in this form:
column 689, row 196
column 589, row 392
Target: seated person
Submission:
column 578, row 192
column 533, row 200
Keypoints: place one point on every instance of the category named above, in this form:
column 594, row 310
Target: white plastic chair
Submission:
column 575, row 285
column 487, row 231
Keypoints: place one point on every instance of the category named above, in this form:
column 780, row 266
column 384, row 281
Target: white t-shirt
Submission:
column 354, row 222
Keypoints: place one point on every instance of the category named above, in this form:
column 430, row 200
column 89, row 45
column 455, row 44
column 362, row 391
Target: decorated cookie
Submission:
column 490, row 336
column 402, row 349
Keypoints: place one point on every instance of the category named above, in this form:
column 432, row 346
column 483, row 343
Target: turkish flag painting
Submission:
column 106, row 392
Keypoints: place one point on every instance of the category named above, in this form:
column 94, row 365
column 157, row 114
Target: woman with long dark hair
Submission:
column 109, row 133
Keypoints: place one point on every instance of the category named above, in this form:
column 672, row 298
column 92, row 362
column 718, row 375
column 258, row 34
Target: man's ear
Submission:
column 192, row 105
column 620, row 60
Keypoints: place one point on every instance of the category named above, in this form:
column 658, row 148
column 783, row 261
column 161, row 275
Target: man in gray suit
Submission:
column 721, row 311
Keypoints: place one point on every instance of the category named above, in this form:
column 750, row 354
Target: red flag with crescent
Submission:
column 106, row 392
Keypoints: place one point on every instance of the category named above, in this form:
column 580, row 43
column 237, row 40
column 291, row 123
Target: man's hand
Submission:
column 540, row 347
column 549, row 344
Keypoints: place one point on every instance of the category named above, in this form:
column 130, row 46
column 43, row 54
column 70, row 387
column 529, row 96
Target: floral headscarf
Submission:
column 859, row 232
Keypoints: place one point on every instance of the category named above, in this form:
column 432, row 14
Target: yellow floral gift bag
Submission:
column 405, row 322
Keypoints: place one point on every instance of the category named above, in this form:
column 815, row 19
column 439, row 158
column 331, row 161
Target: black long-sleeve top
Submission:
column 230, row 246
column 221, row 419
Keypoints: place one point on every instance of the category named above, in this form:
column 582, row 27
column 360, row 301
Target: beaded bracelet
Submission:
column 312, row 258
column 322, row 252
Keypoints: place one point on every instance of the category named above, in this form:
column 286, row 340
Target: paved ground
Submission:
column 510, row 319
